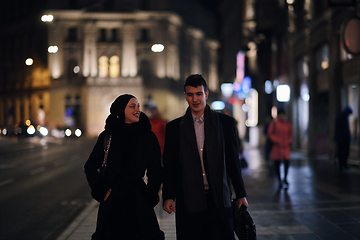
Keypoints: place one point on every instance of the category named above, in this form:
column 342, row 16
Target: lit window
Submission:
column 114, row 69
column 103, row 67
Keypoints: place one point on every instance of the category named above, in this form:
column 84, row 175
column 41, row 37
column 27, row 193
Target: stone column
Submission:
column 128, row 61
column 213, row 80
column 196, row 36
column 55, row 59
column 90, row 57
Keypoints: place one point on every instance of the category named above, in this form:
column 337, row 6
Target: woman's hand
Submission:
column 169, row 206
column 107, row 194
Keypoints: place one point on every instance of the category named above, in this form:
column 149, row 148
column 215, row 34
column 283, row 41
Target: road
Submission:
column 42, row 186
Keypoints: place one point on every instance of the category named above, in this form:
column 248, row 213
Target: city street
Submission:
column 42, row 186
column 320, row 204
column 44, row 195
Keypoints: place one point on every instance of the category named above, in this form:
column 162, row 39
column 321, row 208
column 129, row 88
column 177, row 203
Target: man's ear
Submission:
column 206, row 94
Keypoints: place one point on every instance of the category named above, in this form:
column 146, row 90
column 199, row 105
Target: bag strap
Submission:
column 104, row 164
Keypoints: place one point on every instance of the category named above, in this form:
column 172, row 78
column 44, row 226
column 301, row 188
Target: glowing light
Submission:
column 218, row 105
column 29, row 61
column 78, row 132
column 28, row 122
column 305, row 97
column 227, row 89
column 283, row 93
column 240, row 66
column 245, row 107
column 274, row 112
column 68, row 132
column 268, row 87
column 276, row 83
column 157, row 48
column 31, row 130
column 252, row 101
column 76, row 69
column 4, row 131
column 53, row 49
column 325, row 64
column 43, row 131
column 47, row 18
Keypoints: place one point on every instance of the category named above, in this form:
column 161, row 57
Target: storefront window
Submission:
column 353, row 99
column 322, row 57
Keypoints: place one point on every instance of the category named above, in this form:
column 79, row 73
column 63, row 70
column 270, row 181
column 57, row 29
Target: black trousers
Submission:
column 206, row 225
column 343, row 153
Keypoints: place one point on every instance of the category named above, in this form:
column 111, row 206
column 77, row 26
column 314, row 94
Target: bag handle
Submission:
column 104, row 164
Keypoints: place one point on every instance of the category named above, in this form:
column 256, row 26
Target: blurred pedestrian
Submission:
column 243, row 161
column 280, row 133
column 201, row 156
column 115, row 169
column 342, row 137
column 158, row 126
column 268, row 143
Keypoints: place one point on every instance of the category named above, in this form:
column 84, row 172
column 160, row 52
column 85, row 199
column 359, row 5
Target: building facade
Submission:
column 95, row 56
column 300, row 43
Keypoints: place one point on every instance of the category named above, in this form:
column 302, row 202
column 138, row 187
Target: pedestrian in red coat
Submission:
column 280, row 133
column 158, row 127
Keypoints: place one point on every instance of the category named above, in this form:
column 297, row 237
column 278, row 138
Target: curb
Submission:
column 79, row 220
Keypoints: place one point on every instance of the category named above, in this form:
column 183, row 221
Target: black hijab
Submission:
column 115, row 122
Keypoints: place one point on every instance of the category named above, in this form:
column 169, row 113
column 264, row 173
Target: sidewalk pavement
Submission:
column 321, row 203
column 84, row 225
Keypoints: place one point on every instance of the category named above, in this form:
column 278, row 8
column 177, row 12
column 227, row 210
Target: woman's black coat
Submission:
column 128, row 212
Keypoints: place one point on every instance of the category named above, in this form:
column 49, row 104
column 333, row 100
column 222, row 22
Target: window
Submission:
column 144, row 35
column 102, row 37
column 72, row 35
column 114, row 68
column 72, row 110
column 114, row 35
column 103, row 67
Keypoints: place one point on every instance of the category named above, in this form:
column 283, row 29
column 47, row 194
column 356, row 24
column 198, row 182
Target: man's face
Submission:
column 196, row 98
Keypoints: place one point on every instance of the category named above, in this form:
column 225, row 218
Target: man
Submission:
column 200, row 158
column 342, row 137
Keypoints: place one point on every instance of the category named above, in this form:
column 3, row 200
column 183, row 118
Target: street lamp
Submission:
column 47, row 18
column 53, row 49
column 157, row 47
column 29, row 61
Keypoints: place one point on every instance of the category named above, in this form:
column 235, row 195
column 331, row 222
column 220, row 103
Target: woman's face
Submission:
column 132, row 111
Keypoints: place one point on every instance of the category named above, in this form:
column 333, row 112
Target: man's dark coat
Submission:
column 183, row 174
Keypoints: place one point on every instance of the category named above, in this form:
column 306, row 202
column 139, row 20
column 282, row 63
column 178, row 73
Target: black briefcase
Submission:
column 244, row 225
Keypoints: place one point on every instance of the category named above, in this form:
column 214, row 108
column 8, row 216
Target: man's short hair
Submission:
column 195, row 80
column 280, row 111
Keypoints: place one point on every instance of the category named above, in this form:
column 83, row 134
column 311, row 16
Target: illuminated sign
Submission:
column 240, row 66
column 242, row 89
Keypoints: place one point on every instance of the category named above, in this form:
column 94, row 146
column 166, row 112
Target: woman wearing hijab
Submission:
column 115, row 169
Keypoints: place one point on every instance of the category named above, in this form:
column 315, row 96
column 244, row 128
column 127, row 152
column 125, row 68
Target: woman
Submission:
column 280, row 133
column 116, row 177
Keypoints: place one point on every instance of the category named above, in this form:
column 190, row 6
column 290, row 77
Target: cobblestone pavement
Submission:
column 320, row 203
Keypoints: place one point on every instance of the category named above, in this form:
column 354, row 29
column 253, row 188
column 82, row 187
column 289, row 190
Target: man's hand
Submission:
column 169, row 206
column 241, row 201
